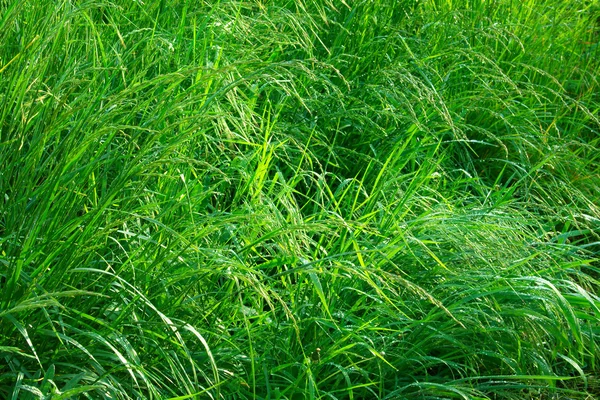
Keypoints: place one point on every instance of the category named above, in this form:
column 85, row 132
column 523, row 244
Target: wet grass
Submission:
column 309, row 199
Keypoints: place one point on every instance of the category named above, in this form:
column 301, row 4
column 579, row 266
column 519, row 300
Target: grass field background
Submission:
column 309, row 199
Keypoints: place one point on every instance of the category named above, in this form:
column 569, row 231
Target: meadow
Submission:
column 309, row 199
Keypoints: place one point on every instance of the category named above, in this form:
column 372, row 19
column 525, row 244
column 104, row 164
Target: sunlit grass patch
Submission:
column 308, row 199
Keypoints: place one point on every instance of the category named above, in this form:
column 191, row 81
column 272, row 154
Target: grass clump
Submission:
column 308, row 199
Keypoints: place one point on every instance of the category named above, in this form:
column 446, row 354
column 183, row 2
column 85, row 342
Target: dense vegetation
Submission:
column 281, row 199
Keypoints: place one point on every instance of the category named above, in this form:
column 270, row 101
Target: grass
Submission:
column 308, row 199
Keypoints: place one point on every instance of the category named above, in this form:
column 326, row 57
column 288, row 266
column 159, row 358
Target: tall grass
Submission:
column 308, row 199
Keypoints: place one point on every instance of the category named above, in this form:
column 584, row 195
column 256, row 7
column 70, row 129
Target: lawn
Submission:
column 308, row 199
